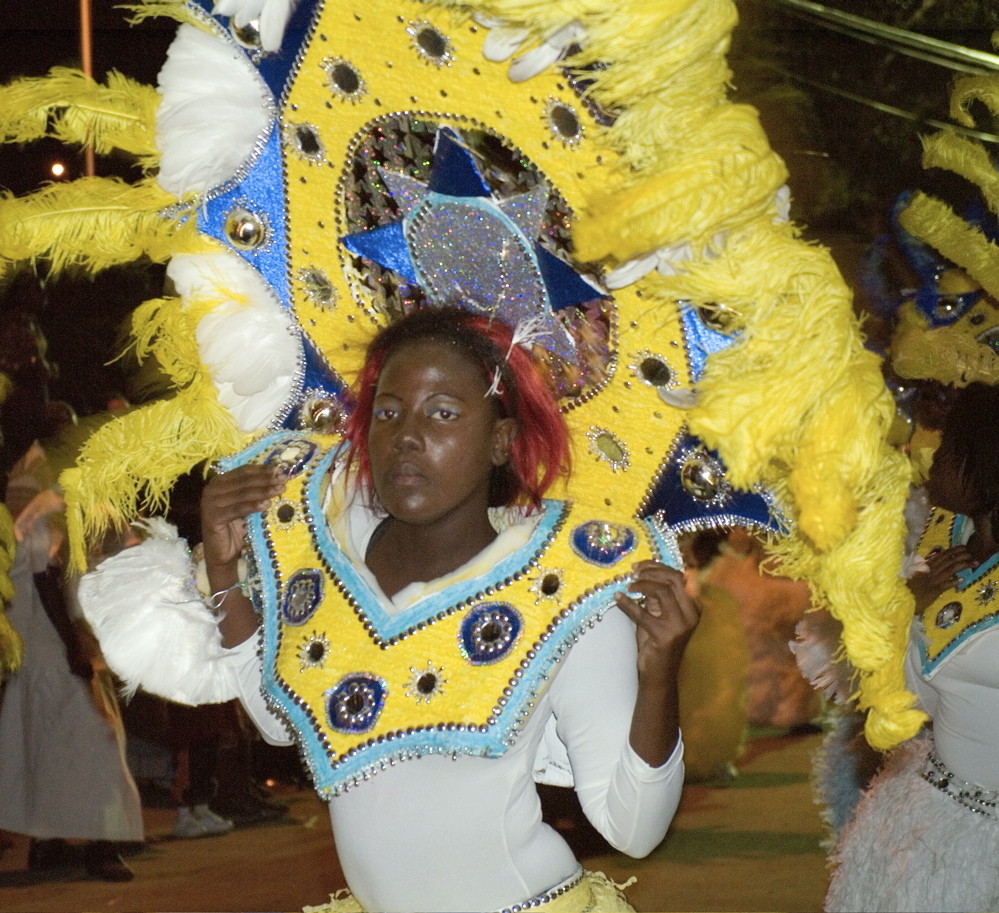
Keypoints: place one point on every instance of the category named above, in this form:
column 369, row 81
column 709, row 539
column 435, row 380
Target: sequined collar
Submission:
column 456, row 672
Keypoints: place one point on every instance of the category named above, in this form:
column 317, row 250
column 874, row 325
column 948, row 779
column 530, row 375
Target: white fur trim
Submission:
column 250, row 347
column 214, row 110
column 155, row 631
column 910, row 847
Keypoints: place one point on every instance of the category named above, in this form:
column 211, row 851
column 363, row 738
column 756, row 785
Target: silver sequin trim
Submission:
column 972, row 796
column 548, row 896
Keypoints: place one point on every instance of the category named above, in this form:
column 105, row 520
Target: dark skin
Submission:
column 947, row 490
column 433, row 443
column 434, row 440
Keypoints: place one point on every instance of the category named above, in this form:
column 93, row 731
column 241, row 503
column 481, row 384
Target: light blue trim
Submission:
column 930, row 667
column 966, row 578
column 492, row 742
column 389, row 626
column 664, row 542
column 334, row 776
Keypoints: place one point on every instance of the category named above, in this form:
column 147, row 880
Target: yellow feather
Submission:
column 935, row 223
column 75, row 109
column 129, row 465
column 723, row 185
column 966, row 158
column 178, row 10
column 969, row 89
column 92, row 224
column 11, row 645
column 798, row 404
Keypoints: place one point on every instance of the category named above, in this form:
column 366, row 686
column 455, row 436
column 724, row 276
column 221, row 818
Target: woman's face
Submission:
column 434, row 437
column 944, row 484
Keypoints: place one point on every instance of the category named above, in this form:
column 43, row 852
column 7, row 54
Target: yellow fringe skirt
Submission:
column 593, row 892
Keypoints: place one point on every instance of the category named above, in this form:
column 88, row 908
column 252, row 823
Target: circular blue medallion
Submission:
column 291, row 456
column 301, row 596
column 355, row 703
column 603, row 543
column 489, row 632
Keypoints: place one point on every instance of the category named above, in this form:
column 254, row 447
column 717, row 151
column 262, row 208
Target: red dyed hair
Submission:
column 540, row 450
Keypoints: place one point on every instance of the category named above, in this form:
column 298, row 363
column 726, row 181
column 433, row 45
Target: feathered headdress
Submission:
column 315, row 169
column 948, row 327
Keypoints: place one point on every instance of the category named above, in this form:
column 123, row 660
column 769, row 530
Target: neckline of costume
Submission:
column 353, row 527
column 391, row 618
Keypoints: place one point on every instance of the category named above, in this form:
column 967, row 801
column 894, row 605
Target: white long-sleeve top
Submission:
column 464, row 834
column 963, row 700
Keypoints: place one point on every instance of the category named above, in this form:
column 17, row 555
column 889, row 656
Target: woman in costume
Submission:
column 925, row 835
column 453, row 438
column 63, row 774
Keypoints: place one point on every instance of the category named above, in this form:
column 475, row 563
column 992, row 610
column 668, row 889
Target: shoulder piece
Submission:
column 460, row 670
column 961, row 613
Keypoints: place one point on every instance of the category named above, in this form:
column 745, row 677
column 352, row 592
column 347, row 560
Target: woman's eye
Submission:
column 444, row 413
column 382, row 414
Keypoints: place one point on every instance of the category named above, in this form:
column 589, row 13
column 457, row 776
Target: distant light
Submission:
column 58, row 169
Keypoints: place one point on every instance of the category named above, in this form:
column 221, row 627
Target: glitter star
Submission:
column 465, row 247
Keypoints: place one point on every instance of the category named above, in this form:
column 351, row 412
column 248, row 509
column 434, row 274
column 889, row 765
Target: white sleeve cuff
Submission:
column 155, row 631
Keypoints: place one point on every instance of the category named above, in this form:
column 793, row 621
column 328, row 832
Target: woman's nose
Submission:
column 407, row 435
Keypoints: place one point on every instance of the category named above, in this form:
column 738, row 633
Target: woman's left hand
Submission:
column 665, row 614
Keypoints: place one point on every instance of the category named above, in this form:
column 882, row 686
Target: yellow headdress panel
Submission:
column 352, row 160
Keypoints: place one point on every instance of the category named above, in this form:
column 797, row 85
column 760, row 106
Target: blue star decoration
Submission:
column 464, row 247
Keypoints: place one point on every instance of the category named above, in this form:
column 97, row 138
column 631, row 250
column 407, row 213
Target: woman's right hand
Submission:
column 226, row 502
column 940, row 576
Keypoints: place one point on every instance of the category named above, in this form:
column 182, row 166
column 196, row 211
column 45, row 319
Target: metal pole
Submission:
column 88, row 69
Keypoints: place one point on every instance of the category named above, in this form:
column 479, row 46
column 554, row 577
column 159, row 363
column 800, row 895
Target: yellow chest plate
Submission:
column 458, row 671
column 964, row 611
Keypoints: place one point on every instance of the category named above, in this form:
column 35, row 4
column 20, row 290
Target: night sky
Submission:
column 80, row 318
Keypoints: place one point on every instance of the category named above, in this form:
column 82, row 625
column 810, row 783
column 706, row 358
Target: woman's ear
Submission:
column 504, row 432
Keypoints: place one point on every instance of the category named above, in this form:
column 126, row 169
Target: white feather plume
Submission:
column 816, row 652
column 215, row 107
column 271, row 17
column 249, row 345
column 552, row 49
column 155, row 631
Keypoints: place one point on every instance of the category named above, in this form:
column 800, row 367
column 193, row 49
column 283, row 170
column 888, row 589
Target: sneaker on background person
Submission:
column 200, row 821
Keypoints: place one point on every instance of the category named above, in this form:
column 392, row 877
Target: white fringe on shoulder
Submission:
column 816, row 643
column 910, row 847
column 155, row 631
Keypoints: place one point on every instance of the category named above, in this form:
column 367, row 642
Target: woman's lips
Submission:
column 406, row 473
